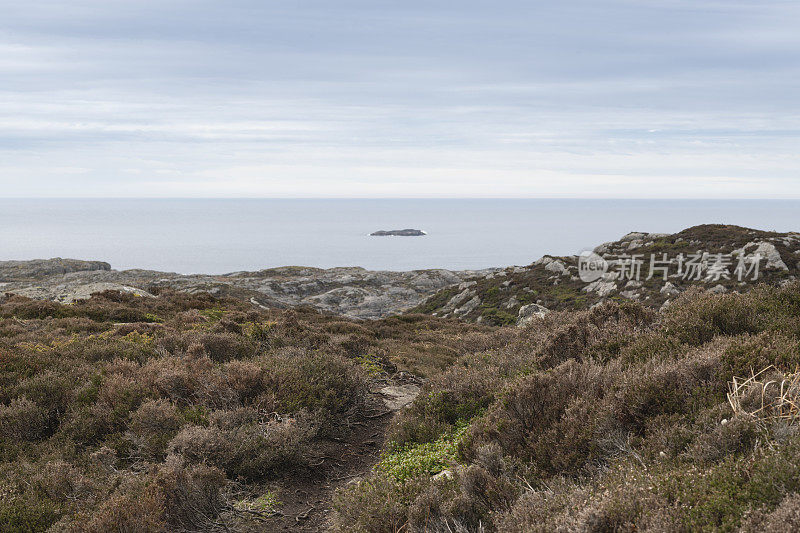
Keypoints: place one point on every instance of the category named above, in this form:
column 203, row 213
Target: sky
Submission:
column 373, row 98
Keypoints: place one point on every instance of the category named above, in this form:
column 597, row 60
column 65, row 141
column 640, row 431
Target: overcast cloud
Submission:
column 597, row 98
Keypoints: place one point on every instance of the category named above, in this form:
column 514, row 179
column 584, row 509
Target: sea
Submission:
column 216, row 236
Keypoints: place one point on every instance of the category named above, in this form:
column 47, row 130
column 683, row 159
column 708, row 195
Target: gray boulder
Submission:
column 529, row 313
column 669, row 289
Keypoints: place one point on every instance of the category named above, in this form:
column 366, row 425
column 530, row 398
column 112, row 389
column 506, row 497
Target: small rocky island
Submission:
column 398, row 233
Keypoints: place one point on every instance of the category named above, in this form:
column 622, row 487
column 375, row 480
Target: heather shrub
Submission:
column 87, row 425
column 22, row 419
column 598, row 333
column 314, row 382
column 696, row 317
column 21, row 514
column 531, row 419
column 81, row 325
column 49, row 389
column 58, row 480
column 785, row 517
column 183, row 380
column 375, row 505
column 542, row 511
column 430, row 511
column 253, row 452
column 211, row 445
column 653, row 345
column 719, row 498
column 192, row 496
column 26, row 308
column 133, row 347
column 663, row 498
column 477, row 492
column 226, row 346
column 243, row 379
column 739, row 435
column 748, row 354
column 454, row 396
column 152, row 427
column 684, row 386
column 119, row 396
column 139, row 509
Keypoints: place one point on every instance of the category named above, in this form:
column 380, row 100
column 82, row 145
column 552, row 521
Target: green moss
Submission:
column 267, row 503
column 214, row 314
column 195, row 414
column 258, row 331
column 371, row 364
column 152, row 317
column 496, row 317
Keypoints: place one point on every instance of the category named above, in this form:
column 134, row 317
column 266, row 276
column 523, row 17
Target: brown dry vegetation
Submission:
column 612, row 419
column 189, row 413
column 176, row 413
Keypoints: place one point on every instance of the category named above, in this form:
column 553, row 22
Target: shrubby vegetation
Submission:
column 186, row 413
column 183, row 412
column 611, row 419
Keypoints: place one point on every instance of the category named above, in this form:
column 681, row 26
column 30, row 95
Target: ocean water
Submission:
column 218, row 236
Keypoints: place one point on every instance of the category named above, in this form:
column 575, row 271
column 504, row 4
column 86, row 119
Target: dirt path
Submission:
column 306, row 502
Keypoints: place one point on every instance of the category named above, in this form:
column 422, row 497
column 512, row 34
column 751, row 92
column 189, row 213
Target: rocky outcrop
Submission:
column 349, row 291
column 511, row 295
column 669, row 289
column 398, row 233
column 40, row 268
column 468, row 307
column 529, row 313
column 67, row 294
column 706, row 255
column 603, row 287
column 395, row 397
column 766, row 250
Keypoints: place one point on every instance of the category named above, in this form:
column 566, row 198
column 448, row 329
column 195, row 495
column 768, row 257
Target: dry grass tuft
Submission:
column 776, row 399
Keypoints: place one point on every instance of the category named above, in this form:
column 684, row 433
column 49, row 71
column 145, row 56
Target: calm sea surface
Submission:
column 217, row 236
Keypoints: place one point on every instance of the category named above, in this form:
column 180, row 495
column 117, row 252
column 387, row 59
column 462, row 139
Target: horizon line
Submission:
column 585, row 198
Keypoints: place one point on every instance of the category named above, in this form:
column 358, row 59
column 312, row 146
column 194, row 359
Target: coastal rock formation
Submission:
column 703, row 255
column 398, row 233
column 67, row 294
column 707, row 256
column 39, row 268
column 349, row 291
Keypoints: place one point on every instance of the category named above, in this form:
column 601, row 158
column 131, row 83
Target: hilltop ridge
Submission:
column 494, row 296
column 554, row 282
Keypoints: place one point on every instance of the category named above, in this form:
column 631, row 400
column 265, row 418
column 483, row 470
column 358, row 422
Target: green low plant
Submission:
column 414, row 460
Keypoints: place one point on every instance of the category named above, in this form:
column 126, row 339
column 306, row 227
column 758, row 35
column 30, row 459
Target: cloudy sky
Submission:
column 373, row 98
